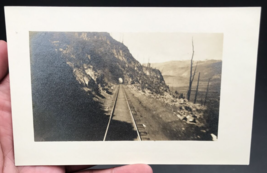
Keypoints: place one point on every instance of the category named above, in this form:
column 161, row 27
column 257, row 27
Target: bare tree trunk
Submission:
column 190, row 77
column 207, row 92
column 197, row 88
column 193, row 76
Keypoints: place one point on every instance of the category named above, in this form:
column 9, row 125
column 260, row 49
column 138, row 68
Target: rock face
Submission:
column 98, row 61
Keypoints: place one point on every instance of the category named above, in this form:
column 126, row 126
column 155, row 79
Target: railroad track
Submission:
column 123, row 110
column 138, row 121
column 112, row 111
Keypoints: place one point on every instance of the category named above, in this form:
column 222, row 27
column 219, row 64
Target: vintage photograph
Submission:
column 132, row 85
column 142, row 86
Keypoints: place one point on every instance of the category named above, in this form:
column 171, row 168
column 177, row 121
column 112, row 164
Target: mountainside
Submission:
column 97, row 60
column 176, row 73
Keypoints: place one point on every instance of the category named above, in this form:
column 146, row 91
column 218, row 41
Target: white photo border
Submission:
column 240, row 27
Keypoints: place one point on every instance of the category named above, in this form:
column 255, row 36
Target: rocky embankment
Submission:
column 188, row 112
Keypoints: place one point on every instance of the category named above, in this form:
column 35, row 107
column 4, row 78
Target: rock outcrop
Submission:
column 98, row 61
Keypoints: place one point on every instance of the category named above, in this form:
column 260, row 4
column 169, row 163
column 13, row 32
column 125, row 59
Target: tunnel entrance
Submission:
column 120, row 80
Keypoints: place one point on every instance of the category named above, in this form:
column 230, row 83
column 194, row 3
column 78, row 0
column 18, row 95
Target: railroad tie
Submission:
column 140, row 125
column 143, row 133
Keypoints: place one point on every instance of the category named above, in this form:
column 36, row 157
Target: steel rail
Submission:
column 137, row 131
column 111, row 113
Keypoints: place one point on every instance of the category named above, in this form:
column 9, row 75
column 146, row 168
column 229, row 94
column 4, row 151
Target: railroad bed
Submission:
column 121, row 125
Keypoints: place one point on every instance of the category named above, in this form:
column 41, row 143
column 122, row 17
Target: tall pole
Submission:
column 197, row 88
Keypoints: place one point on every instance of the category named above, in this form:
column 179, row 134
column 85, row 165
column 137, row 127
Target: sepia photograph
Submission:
column 125, row 86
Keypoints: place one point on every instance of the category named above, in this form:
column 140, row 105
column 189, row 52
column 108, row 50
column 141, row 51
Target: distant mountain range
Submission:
column 176, row 73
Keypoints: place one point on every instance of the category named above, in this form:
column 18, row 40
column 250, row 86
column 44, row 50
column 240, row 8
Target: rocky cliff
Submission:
column 98, row 61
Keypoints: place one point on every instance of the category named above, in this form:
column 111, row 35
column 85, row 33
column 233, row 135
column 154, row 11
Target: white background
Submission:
column 240, row 27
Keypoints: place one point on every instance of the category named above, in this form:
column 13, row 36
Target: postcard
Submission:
column 110, row 85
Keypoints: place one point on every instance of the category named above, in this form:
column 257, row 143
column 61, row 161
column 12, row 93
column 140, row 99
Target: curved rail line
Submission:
column 112, row 112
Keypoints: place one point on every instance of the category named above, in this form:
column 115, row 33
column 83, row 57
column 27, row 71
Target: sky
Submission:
column 163, row 47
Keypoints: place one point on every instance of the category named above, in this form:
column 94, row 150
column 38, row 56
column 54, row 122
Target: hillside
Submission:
column 97, row 60
column 176, row 73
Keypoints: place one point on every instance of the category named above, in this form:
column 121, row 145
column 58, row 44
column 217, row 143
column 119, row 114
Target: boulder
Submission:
column 181, row 117
column 190, row 118
column 184, row 119
column 214, row 137
column 188, row 108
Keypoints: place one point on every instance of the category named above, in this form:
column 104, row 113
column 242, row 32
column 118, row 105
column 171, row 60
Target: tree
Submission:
column 197, row 88
column 192, row 74
column 207, row 91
